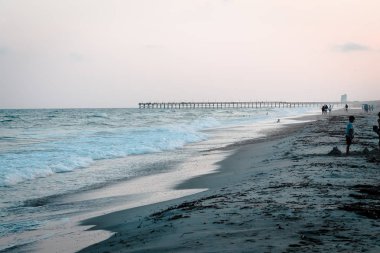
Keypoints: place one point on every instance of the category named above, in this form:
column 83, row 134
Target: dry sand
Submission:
column 285, row 193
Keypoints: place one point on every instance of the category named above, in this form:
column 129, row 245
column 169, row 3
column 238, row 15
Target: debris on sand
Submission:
column 335, row 151
column 366, row 151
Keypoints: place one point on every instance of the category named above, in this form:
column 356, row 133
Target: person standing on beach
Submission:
column 376, row 129
column 346, row 107
column 349, row 133
column 324, row 109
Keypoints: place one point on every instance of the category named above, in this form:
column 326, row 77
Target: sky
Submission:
column 117, row 53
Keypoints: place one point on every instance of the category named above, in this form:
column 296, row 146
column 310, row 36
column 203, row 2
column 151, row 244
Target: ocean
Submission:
column 47, row 155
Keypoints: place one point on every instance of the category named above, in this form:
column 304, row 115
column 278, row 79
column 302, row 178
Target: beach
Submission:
column 283, row 193
column 59, row 167
column 189, row 126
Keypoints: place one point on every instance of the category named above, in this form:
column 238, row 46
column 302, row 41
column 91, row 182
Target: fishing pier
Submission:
column 216, row 105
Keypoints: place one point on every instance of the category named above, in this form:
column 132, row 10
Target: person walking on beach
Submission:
column 324, row 109
column 366, row 108
column 376, row 129
column 349, row 133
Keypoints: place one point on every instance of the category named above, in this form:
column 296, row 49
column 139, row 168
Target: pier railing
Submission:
column 256, row 104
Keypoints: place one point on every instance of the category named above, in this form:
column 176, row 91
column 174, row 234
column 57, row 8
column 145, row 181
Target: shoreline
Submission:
column 252, row 178
column 197, row 181
column 65, row 211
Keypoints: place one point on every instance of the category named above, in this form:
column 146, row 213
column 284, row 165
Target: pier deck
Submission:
column 256, row 104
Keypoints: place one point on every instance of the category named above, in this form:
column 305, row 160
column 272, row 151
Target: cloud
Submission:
column 351, row 47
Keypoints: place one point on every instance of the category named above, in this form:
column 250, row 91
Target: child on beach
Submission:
column 349, row 133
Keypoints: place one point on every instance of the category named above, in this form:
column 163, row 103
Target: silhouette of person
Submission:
column 376, row 129
column 349, row 133
column 366, row 107
column 346, row 107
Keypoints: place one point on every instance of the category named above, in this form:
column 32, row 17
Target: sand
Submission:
column 284, row 193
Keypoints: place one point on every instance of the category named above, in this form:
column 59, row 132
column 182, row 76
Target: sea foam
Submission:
column 39, row 143
column 79, row 150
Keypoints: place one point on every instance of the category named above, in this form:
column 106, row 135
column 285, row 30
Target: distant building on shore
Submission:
column 343, row 98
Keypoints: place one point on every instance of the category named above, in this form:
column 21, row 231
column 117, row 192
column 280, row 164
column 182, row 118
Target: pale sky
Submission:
column 116, row 53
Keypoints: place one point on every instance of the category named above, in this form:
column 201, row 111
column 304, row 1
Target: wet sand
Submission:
column 285, row 193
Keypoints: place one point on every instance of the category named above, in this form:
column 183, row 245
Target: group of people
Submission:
column 326, row 108
column 350, row 131
column 367, row 108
